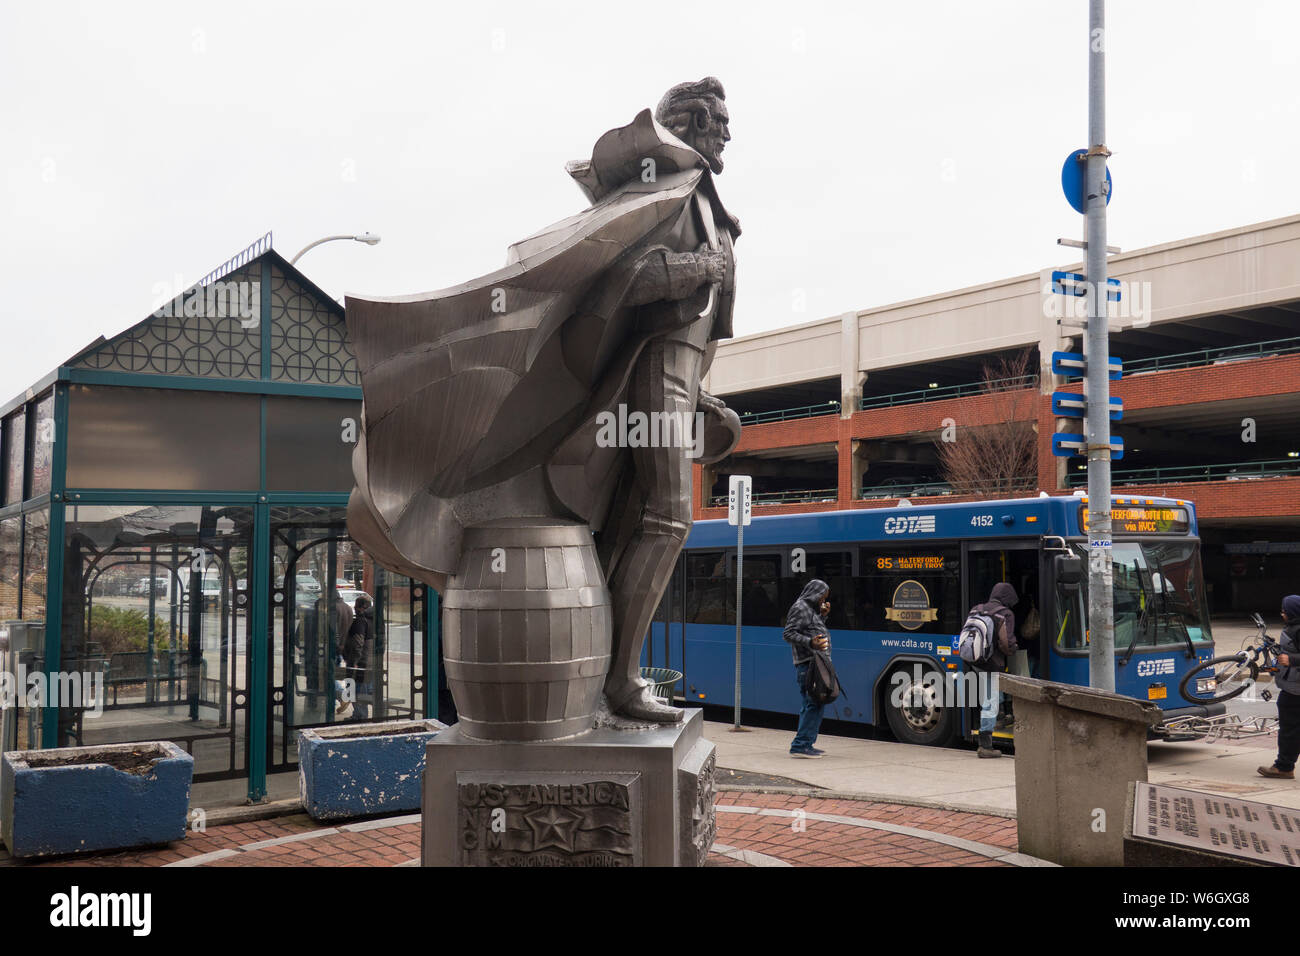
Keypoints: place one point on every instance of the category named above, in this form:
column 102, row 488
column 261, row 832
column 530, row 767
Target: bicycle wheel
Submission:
column 1222, row 678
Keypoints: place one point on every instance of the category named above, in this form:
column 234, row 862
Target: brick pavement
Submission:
column 754, row 829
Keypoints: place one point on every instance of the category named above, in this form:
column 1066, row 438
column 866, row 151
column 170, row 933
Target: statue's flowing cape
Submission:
column 468, row 388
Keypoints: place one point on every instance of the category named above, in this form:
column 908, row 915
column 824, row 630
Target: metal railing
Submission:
column 1227, row 353
column 948, row 391
column 895, row 489
column 935, row 489
column 1158, row 363
column 245, row 256
column 1230, row 471
column 783, row 497
column 788, row 414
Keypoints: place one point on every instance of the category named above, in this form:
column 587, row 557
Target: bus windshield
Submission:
column 1159, row 598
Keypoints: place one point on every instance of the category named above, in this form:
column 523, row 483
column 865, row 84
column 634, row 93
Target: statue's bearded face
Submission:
column 710, row 133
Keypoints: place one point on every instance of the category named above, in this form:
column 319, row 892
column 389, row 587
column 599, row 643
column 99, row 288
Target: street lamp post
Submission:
column 366, row 237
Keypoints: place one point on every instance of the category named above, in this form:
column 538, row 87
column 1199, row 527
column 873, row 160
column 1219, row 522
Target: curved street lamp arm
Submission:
column 313, row 245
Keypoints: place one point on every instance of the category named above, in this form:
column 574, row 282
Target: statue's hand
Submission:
column 715, row 263
column 721, row 428
column 710, row 403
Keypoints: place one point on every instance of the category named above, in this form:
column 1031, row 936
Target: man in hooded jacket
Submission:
column 805, row 629
column 1287, row 680
column 1001, row 600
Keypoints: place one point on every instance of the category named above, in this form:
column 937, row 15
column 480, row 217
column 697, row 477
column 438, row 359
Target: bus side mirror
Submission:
column 1069, row 570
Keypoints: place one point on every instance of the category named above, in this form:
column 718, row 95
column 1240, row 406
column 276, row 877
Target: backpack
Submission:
column 976, row 639
column 822, row 683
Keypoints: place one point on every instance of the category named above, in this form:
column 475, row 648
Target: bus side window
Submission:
column 909, row 588
column 708, row 600
column 762, row 590
column 836, row 569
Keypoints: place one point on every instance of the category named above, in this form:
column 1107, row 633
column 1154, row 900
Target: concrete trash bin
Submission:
column 1078, row 751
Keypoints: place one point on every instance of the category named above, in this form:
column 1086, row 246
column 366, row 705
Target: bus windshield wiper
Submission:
column 1140, row 624
column 1182, row 619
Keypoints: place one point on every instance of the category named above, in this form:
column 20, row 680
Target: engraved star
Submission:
column 553, row 826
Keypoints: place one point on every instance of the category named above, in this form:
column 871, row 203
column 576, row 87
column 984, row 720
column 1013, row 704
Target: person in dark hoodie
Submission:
column 1001, row 600
column 805, row 629
column 358, row 647
column 1287, row 681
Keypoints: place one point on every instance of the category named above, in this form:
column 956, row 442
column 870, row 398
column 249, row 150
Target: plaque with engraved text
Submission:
column 548, row 819
column 695, row 792
column 1259, row 832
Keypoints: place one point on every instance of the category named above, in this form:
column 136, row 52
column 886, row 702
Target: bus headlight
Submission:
column 1206, row 685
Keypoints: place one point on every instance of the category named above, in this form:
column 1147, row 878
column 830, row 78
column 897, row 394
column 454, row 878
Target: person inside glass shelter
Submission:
column 358, row 654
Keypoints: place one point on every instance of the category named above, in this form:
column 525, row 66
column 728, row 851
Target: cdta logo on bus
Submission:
column 1150, row 668
column 910, row 524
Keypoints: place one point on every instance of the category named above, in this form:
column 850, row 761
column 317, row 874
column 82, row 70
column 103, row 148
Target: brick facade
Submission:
column 1215, row 500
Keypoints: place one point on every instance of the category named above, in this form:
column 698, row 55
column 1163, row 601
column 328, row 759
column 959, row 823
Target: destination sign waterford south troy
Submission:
column 1141, row 519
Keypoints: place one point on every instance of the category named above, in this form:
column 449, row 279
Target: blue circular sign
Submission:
column 1073, row 174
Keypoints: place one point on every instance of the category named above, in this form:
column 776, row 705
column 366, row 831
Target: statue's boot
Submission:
column 638, row 703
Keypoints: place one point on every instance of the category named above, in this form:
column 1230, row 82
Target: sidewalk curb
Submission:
column 869, row 798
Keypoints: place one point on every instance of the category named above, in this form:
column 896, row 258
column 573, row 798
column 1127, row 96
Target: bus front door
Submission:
column 1018, row 563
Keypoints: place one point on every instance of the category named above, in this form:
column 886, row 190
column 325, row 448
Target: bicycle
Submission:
column 1223, row 678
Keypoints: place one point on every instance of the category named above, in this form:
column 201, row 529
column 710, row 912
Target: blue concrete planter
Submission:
column 75, row 799
column 360, row 770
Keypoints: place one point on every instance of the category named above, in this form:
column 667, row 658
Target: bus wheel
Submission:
column 914, row 708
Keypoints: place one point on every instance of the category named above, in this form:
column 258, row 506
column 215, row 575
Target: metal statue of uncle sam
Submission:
column 528, row 436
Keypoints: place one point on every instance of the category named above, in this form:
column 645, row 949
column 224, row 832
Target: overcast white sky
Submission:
column 880, row 150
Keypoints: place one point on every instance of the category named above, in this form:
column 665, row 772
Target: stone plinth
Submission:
column 607, row 798
column 1078, row 750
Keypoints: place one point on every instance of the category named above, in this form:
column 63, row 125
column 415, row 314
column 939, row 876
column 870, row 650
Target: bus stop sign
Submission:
column 740, row 500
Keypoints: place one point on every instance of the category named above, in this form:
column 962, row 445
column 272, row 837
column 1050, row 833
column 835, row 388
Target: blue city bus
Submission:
column 902, row 581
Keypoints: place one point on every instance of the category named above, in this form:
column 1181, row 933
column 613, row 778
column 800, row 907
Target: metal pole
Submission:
column 1101, row 622
column 740, row 580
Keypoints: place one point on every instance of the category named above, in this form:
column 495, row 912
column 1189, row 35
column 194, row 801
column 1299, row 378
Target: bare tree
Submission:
column 1002, row 457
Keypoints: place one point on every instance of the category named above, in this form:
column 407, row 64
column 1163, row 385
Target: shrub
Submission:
column 119, row 629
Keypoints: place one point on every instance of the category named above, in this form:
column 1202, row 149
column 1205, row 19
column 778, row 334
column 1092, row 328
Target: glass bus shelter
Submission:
column 173, row 532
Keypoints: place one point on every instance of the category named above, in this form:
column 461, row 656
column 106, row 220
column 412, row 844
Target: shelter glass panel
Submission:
column 162, row 438
column 309, row 443
column 36, row 554
column 15, row 447
column 156, row 601
column 324, row 586
column 11, row 556
column 42, row 458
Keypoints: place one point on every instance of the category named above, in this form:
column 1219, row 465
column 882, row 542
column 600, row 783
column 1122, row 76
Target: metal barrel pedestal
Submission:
column 527, row 630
